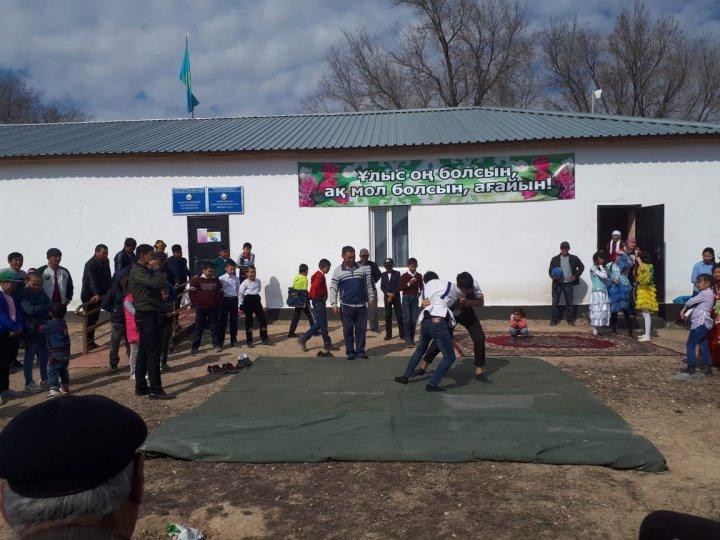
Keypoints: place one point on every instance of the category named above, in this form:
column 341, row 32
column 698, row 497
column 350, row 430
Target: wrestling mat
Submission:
column 313, row 410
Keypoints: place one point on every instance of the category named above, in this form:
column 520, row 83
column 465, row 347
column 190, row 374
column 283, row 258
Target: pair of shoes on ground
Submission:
column 60, row 392
column 690, row 370
column 243, row 363
column 161, row 395
column 324, row 354
column 402, row 379
column 362, row 356
column 221, row 370
column 34, row 388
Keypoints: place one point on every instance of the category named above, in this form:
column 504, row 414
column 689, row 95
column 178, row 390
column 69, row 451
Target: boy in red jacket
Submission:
column 206, row 296
column 318, row 297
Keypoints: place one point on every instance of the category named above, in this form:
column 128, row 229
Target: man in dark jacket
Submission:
column 113, row 304
column 565, row 270
column 124, row 257
column 96, row 281
column 179, row 265
column 390, row 286
column 146, row 284
column 375, row 276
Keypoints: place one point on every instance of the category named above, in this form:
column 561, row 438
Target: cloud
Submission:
column 122, row 59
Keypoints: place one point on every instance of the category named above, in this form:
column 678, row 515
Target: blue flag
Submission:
column 186, row 78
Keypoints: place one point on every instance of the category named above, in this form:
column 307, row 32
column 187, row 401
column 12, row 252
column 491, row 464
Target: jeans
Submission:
column 148, row 358
column 320, row 326
column 206, row 318
column 438, row 331
column 354, row 321
column 468, row 319
column 58, row 373
column 522, row 332
column 698, row 336
column 397, row 306
column 228, row 312
column 296, row 317
column 35, row 345
column 372, row 315
column 566, row 289
column 410, row 312
column 116, row 338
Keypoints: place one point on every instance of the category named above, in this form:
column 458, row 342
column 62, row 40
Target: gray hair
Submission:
column 99, row 501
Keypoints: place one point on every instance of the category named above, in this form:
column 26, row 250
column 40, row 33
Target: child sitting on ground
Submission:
column 58, row 342
column 518, row 324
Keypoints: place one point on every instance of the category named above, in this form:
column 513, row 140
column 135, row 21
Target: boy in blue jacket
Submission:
column 36, row 305
column 12, row 322
column 58, row 342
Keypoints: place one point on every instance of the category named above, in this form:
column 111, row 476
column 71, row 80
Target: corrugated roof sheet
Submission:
column 376, row 129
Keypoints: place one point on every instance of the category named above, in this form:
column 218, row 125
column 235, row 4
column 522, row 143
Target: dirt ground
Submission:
column 424, row 500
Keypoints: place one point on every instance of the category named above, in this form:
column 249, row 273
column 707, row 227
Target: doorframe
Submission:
column 191, row 230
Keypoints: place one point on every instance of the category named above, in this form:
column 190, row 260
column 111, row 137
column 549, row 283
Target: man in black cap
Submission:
column 87, row 484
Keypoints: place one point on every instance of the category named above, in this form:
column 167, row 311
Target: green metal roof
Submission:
column 375, row 129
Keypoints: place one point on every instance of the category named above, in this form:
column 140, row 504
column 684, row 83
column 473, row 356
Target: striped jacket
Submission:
column 353, row 284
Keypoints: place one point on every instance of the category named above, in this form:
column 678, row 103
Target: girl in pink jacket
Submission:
column 131, row 331
column 518, row 324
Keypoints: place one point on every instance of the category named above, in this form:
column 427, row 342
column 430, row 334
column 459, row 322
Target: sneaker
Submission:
column 250, row 344
column 553, row 323
column 402, row 379
column 193, row 351
column 54, row 393
column 351, row 357
column 266, row 341
column 387, row 338
column 113, row 368
column 302, row 344
column 331, row 347
column 409, row 345
column 708, row 371
column 92, row 346
column 32, row 388
column 218, row 349
column 363, row 356
column 160, row 395
column 419, row 372
column 235, row 344
column 292, row 334
column 690, row 370
column 433, row 388
column 164, row 367
column 132, row 376
column 141, row 391
column 644, row 339
column 44, row 382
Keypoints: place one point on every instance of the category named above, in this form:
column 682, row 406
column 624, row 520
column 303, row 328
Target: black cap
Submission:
column 54, row 252
column 565, row 245
column 67, row 445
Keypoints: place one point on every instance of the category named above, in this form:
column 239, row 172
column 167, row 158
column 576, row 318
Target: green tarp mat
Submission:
column 317, row 409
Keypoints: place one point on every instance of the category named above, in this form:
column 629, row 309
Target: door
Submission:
column 650, row 235
column 205, row 236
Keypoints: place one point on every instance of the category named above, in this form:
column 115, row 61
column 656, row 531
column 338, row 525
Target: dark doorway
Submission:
column 205, row 236
column 610, row 218
column 650, row 235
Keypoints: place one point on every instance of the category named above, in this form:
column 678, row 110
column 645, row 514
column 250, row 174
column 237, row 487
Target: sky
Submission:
column 121, row 59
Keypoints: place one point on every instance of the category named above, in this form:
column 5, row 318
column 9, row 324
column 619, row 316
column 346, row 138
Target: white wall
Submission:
column 75, row 204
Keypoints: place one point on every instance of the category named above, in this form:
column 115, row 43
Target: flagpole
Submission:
column 187, row 37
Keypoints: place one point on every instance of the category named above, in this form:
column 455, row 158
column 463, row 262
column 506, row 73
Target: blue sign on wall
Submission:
column 226, row 200
column 189, row 201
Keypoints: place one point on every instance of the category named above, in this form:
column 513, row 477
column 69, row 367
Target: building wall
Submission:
column 75, row 204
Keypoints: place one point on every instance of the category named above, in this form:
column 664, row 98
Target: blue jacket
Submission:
column 58, row 340
column 6, row 323
column 36, row 306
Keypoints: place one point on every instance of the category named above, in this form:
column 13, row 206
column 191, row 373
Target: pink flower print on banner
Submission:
column 542, row 163
column 330, row 171
column 566, row 179
column 528, row 194
column 332, row 183
column 306, row 190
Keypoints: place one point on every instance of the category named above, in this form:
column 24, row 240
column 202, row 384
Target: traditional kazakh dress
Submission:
column 599, row 300
column 646, row 295
column 714, row 336
column 619, row 288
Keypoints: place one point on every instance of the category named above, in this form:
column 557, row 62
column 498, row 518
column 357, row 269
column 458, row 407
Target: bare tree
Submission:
column 460, row 52
column 20, row 103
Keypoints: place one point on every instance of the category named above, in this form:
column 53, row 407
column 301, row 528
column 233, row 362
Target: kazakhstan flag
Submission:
column 186, row 78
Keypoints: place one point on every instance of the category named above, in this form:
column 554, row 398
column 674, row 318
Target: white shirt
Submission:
column 248, row 287
column 230, row 285
column 476, row 293
column 442, row 295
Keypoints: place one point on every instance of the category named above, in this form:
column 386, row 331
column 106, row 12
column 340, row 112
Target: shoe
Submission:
column 409, row 345
column 266, row 341
column 690, row 370
column 292, row 334
column 250, row 344
column 433, row 388
column 571, row 323
column 481, row 377
column 387, row 338
column 54, row 393
column 302, row 344
column 193, row 351
column 644, row 338
column 218, row 349
column 553, row 323
column 92, row 346
column 160, row 395
column 331, row 347
column 44, row 382
column 32, row 388
column 164, row 367
column 363, row 356
column 402, row 379
column 351, row 357
column 235, row 344
column 708, row 371
column 9, row 394
column 113, row 369
column 141, row 391
column 419, row 372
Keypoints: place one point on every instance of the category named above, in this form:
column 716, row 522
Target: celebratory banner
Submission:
column 440, row 181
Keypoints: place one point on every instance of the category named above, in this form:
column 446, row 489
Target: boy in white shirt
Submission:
column 436, row 324
column 229, row 309
column 251, row 304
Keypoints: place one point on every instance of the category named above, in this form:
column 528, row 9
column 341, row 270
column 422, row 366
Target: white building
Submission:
column 73, row 186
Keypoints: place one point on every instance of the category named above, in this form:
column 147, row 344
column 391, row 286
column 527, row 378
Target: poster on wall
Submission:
column 437, row 181
column 205, row 236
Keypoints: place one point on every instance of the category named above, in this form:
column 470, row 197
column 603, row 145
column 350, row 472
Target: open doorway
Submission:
column 205, row 235
column 646, row 224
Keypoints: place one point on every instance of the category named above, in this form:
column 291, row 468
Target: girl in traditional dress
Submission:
column 599, row 301
column 619, row 290
column 714, row 338
column 646, row 295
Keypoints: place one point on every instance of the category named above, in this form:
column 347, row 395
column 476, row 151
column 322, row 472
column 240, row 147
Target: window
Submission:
column 389, row 233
